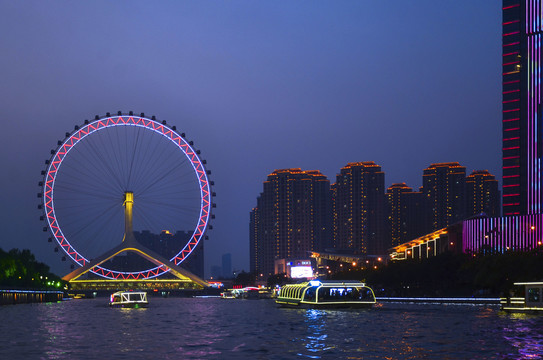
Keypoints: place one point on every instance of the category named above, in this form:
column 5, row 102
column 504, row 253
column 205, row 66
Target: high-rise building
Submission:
column 292, row 217
column 255, row 252
column 406, row 213
column 482, row 194
column 521, row 227
column 522, row 110
column 443, row 185
column 359, row 203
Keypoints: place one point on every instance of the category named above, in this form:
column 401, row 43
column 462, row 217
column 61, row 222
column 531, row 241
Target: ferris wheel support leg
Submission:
column 131, row 245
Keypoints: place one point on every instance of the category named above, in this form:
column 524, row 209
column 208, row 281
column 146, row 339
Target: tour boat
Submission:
column 129, row 299
column 327, row 294
column 531, row 302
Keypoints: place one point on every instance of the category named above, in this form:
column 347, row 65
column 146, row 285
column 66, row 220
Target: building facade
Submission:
column 359, row 204
column 292, row 218
column 482, row 194
column 407, row 215
column 443, row 186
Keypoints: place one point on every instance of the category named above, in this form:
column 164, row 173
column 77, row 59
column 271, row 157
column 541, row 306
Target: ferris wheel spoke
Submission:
column 156, row 172
column 98, row 240
column 171, row 206
column 159, row 179
column 70, row 191
column 102, row 160
column 147, row 160
column 133, row 153
column 92, row 220
column 91, row 175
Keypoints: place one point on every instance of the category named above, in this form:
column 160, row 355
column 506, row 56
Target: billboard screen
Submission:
column 301, row 272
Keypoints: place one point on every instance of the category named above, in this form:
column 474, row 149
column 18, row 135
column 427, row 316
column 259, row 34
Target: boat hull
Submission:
column 523, row 310
column 129, row 305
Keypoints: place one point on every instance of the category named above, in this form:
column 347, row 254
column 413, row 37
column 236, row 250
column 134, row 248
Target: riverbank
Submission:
column 12, row 297
column 440, row 300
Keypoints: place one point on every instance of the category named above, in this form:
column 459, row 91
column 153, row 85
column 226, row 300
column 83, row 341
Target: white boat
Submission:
column 530, row 302
column 244, row 293
column 327, row 294
column 129, row 299
column 227, row 294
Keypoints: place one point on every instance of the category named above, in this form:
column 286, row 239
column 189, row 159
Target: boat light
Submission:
column 315, row 283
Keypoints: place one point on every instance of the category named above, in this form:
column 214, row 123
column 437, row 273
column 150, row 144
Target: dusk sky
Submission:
column 257, row 85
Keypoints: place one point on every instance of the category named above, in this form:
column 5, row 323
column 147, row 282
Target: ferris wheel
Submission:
column 109, row 161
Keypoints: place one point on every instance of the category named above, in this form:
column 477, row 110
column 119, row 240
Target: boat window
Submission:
column 534, row 295
column 310, row 294
column 345, row 294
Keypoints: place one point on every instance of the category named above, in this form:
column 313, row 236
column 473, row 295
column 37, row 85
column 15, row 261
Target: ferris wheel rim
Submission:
column 161, row 128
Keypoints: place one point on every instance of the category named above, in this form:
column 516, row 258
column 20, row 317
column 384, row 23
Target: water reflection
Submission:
column 525, row 333
column 220, row 329
column 315, row 340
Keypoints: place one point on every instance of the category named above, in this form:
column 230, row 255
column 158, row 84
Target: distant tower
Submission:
column 405, row 213
column 482, row 194
column 522, row 112
column 292, row 217
column 443, row 185
column 227, row 266
column 359, row 196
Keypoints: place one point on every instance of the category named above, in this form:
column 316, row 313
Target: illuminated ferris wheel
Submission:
column 121, row 174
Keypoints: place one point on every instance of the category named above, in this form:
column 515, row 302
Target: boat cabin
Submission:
column 326, row 294
column 528, row 298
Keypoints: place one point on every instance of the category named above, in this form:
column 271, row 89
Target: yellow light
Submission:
column 354, row 263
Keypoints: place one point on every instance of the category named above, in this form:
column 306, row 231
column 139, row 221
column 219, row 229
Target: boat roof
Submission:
column 535, row 283
column 329, row 283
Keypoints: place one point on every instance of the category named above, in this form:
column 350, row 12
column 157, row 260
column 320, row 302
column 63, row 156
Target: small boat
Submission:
column 530, row 302
column 227, row 294
column 129, row 299
column 323, row 294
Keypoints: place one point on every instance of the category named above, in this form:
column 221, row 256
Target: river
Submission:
column 211, row 328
